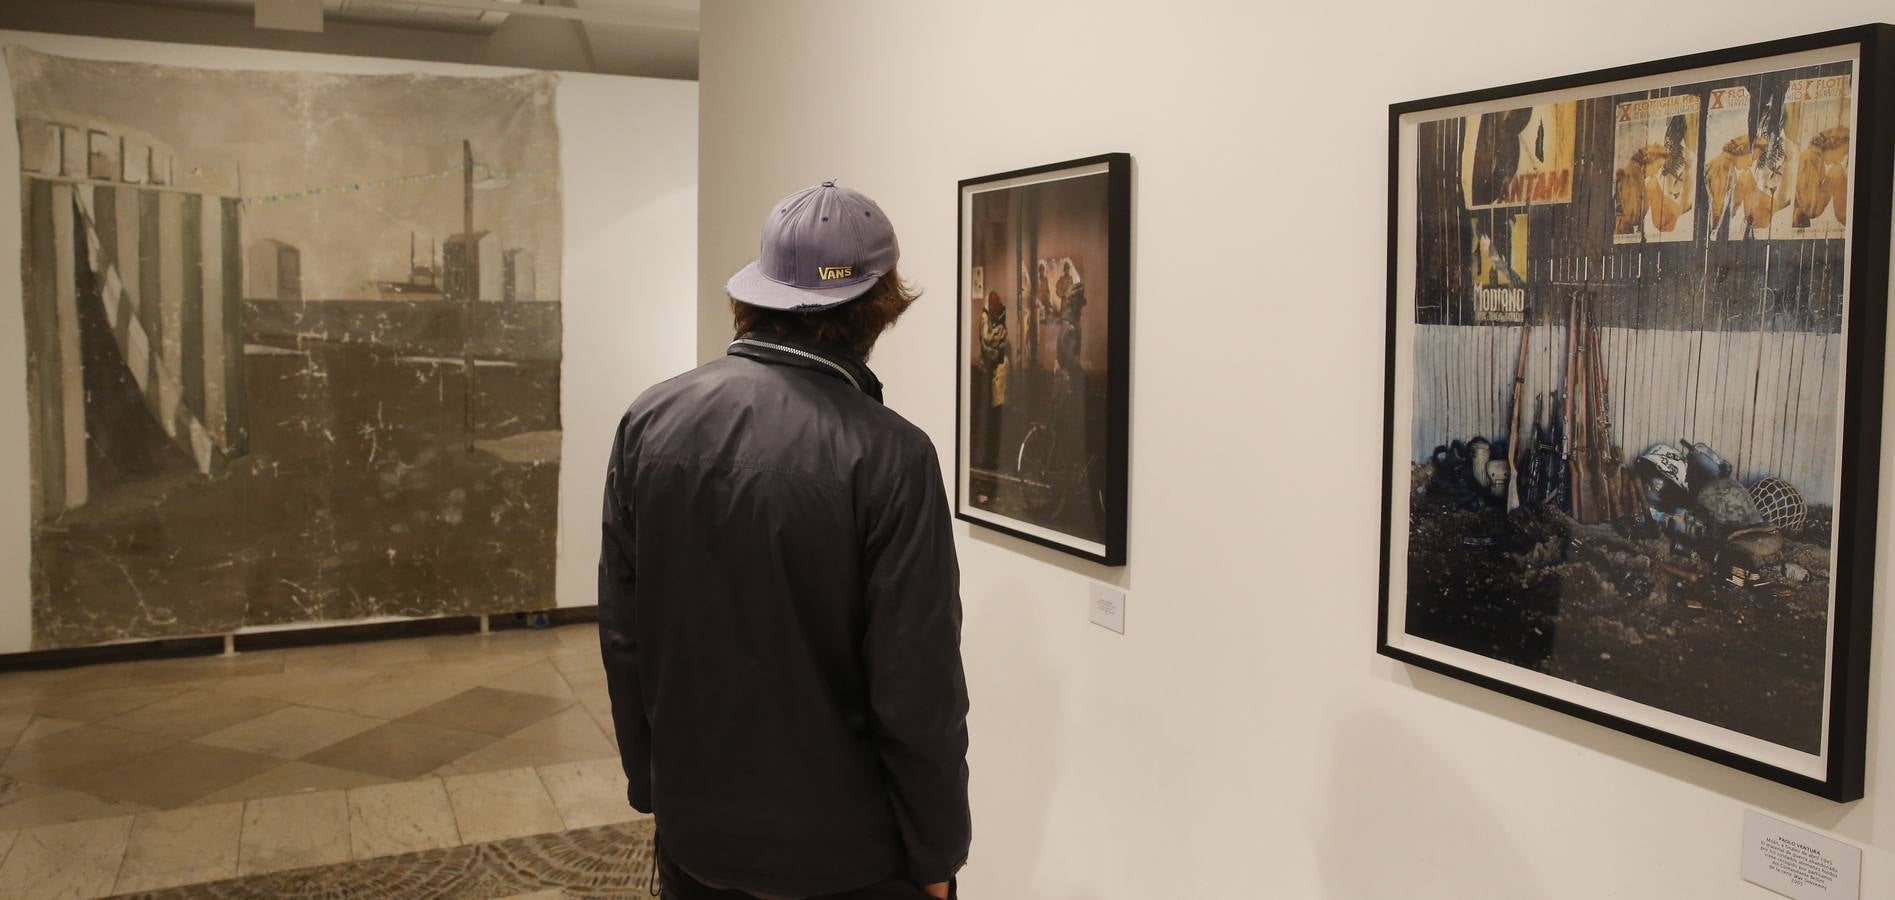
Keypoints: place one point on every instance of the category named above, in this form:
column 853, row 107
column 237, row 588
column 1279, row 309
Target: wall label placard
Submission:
column 1799, row 863
column 1108, row 608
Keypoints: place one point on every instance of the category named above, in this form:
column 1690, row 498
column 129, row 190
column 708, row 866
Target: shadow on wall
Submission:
column 1020, row 736
column 1117, row 576
column 1779, row 800
column 1418, row 854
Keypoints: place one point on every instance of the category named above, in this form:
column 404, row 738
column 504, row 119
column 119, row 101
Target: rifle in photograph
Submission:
column 1513, row 427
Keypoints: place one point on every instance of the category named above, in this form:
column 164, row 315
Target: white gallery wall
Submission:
column 1241, row 739
column 628, row 154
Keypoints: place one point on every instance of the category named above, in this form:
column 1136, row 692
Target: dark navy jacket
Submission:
column 780, row 615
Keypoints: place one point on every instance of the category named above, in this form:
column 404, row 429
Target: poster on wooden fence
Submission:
column 1758, row 150
column 1517, row 157
column 1624, row 467
column 293, row 345
column 1655, row 168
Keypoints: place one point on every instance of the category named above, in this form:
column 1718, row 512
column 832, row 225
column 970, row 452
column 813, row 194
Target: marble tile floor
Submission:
column 152, row 775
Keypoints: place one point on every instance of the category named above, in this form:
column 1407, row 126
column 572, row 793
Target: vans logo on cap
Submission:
column 831, row 273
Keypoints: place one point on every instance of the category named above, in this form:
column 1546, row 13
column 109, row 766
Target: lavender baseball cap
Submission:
column 822, row 247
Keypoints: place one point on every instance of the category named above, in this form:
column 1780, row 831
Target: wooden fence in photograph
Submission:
column 157, row 267
column 1766, row 401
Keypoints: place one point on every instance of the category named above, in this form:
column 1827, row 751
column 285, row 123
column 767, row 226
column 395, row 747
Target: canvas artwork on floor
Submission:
column 293, row 345
column 1044, row 358
column 1634, row 361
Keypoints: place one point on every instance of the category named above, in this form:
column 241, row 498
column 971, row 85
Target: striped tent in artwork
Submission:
column 107, row 233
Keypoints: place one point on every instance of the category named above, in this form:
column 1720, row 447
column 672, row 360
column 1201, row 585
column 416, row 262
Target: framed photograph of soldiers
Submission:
column 1044, row 354
column 1633, row 409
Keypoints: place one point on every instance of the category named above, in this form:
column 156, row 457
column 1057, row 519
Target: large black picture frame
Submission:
column 1836, row 771
column 1094, row 469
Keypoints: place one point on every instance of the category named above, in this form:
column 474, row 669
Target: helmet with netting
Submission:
column 1780, row 503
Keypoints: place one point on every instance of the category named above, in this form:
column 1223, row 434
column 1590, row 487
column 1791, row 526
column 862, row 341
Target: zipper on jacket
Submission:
column 802, row 353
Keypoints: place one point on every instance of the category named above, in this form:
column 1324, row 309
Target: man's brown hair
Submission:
column 854, row 325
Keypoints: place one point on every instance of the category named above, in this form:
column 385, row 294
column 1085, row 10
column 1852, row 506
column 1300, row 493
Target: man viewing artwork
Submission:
column 778, row 592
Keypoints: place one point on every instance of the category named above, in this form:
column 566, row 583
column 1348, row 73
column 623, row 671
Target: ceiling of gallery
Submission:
column 486, row 16
column 624, row 37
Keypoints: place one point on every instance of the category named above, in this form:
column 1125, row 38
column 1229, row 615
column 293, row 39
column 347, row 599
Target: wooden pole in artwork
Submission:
column 1611, row 495
column 1588, row 366
column 467, row 187
column 470, row 285
column 1513, row 426
column 1596, row 507
column 1581, row 421
column 1573, row 484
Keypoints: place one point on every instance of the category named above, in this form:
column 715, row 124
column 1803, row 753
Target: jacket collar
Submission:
column 835, row 362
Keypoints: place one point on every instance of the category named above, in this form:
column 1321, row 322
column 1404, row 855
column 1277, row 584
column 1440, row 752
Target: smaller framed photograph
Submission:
column 1044, row 354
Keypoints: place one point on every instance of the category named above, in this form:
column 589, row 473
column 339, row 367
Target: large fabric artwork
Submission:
column 1627, row 438
column 293, row 345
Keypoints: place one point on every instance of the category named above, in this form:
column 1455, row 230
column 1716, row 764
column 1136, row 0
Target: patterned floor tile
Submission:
column 568, row 736
column 465, row 647
column 292, row 778
column 599, row 705
column 391, row 697
column 589, row 793
column 30, row 683
column 175, row 775
column 586, row 680
column 400, row 750
column 76, row 860
column 526, row 641
column 400, row 818
column 92, row 705
column 179, row 673
column 193, row 714
column 294, row 832
column 291, row 732
column 181, row 846
column 539, row 678
column 320, row 656
column 11, row 727
column 570, row 662
column 579, row 637
column 45, row 726
column 60, row 758
column 293, row 685
column 27, row 805
column 156, row 764
column 373, row 653
column 490, row 711
column 494, row 806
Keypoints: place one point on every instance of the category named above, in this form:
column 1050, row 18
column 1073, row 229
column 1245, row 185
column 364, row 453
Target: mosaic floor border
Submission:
column 610, row 861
